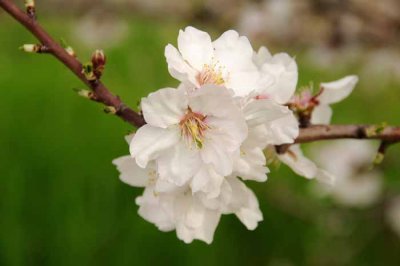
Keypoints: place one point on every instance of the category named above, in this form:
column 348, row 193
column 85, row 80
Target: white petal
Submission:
column 218, row 156
column 130, row 172
column 195, row 47
column 321, row 115
column 263, row 112
column 232, row 50
column 283, row 70
column 178, row 67
column 301, row 165
column 198, row 223
column 206, row 180
column 179, row 164
column 260, row 57
column 213, row 100
column 336, row 91
column 149, row 142
column 235, row 56
column 244, row 204
column 250, row 165
column 164, row 107
column 151, row 209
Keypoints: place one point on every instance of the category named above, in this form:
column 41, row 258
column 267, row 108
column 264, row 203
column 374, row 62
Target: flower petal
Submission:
column 250, row 165
column 301, row 165
column 130, row 172
column 178, row 67
column 336, row 91
column 206, row 180
column 151, row 209
column 244, row 204
column 179, row 164
column 149, row 142
column 164, row 107
column 195, row 47
column 283, row 70
column 321, row 115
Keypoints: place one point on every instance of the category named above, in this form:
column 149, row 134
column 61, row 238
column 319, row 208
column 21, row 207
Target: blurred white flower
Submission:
column 227, row 61
column 350, row 162
column 392, row 215
column 99, row 29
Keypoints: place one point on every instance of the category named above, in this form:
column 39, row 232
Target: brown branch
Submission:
column 102, row 94
column 327, row 132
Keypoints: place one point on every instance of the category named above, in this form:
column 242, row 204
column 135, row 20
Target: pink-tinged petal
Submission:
column 321, row 115
column 195, row 47
column 130, row 172
column 149, row 142
column 164, row 107
column 301, row 165
column 336, row 91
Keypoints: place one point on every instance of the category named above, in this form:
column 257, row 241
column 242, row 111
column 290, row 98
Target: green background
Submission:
column 61, row 202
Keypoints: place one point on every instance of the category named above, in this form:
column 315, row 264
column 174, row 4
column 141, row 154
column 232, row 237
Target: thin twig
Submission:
column 102, row 94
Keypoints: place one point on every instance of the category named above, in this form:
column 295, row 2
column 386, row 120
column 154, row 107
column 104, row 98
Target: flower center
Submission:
column 193, row 126
column 211, row 74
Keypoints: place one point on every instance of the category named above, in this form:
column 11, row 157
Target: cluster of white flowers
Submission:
column 204, row 138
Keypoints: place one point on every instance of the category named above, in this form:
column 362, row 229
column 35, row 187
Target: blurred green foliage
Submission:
column 61, row 202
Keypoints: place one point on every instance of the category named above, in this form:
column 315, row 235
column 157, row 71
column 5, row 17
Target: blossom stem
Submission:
column 100, row 91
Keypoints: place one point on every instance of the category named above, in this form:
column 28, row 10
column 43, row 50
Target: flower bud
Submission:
column 84, row 93
column 29, row 3
column 30, row 48
column 98, row 62
column 30, row 8
column 70, row 51
column 110, row 110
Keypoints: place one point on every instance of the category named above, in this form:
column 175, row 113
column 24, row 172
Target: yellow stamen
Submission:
column 193, row 126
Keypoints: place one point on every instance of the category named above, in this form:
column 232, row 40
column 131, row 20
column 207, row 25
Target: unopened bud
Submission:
column 70, row 51
column 110, row 110
column 30, row 8
column 98, row 62
column 84, row 93
column 30, row 48
column 29, row 3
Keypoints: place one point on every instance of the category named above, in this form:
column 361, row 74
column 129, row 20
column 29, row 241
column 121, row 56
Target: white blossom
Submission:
column 192, row 215
column 392, row 215
column 226, row 61
column 192, row 136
